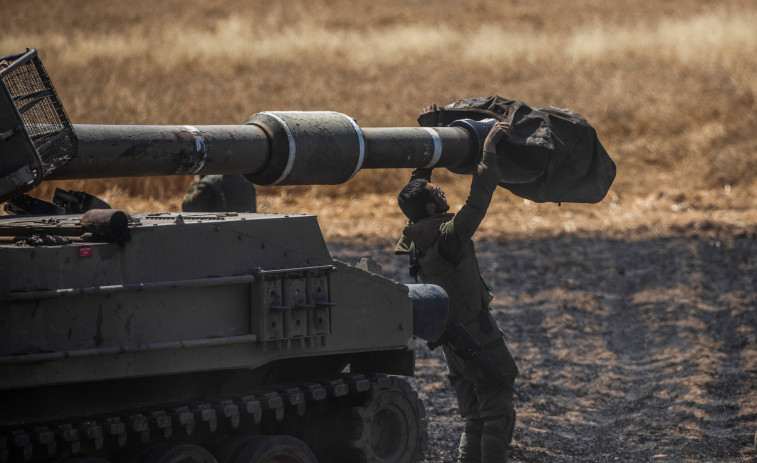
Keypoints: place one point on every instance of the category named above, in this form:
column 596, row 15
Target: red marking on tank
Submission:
column 85, row 252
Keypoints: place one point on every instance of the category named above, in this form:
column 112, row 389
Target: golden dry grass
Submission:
column 670, row 87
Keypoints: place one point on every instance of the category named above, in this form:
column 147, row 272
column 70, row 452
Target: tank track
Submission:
column 262, row 411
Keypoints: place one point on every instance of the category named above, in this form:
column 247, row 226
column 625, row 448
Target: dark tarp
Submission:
column 553, row 155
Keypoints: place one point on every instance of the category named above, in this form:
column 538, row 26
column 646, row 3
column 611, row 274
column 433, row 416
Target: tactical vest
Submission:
column 468, row 294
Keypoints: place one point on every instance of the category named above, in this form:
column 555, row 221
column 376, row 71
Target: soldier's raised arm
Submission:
column 461, row 228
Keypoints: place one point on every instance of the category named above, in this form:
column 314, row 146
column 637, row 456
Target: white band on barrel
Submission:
column 437, row 147
column 292, row 148
column 361, row 141
column 200, row 146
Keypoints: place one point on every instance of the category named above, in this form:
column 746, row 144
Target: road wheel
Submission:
column 265, row 449
column 391, row 426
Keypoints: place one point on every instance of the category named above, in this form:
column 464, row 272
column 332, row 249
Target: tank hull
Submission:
column 263, row 288
column 222, row 317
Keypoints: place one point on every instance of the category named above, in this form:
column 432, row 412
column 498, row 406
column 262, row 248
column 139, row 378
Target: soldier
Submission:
column 219, row 193
column 441, row 250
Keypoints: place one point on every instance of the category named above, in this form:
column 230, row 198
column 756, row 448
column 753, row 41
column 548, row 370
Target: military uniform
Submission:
column 446, row 257
column 220, row 193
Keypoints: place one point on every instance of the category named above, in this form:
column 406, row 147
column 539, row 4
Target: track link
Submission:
column 200, row 422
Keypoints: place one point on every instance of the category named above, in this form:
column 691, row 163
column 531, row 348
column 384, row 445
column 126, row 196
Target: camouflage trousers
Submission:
column 484, row 401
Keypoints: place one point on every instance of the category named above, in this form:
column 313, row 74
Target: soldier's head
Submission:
column 421, row 198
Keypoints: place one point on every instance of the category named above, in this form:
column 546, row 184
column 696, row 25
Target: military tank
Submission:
column 202, row 337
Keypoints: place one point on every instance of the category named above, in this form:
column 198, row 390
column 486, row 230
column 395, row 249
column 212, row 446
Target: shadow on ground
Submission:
column 640, row 350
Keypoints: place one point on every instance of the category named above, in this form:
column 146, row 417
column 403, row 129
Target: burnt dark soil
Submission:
column 629, row 350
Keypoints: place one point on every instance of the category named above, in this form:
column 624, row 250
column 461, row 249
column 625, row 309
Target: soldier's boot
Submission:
column 469, row 450
column 496, row 435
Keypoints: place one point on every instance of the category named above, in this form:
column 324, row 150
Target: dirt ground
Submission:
column 633, row 349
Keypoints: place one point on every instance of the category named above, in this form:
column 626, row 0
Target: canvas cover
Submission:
column 553, row 155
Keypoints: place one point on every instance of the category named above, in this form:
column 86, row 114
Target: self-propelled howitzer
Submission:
column 206, row 337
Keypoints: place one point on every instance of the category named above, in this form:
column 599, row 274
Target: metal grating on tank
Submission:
column 41, row 111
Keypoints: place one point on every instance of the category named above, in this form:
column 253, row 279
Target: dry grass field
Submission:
column 671, row 88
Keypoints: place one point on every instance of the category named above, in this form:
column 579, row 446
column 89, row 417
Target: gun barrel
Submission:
column 146, row 150
column 271, row 148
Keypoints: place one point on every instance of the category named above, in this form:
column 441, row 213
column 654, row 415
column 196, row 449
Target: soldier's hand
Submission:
column 499, row 131
column 429, row 109
column 427, row 117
